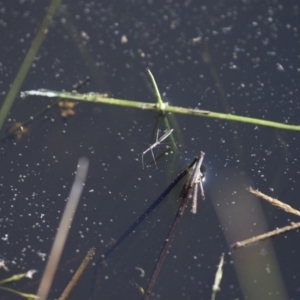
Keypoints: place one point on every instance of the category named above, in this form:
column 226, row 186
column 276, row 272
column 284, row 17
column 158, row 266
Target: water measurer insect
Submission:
column 158, row 141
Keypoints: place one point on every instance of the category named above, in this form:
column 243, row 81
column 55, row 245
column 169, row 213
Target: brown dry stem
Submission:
column 274, row 202
column 278, row 204
column 264, row 236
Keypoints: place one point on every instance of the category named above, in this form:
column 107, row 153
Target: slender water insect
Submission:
column 158, row 141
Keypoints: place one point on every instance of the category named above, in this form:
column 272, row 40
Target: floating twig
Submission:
column 264, row 236
column 275, row 202
column 218, row 278
column 278, row 204
column 77, row 274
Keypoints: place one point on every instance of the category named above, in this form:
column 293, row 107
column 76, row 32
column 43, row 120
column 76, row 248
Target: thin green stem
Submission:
column 27, row 62
column 161, row 105
column 25, row 295
column 98, row 98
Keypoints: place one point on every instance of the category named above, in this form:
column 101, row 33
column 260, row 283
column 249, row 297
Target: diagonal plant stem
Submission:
column 264, row 236
column 274, row 202
column 77, row 274
column 218, row 278
column 27, row 62
column 98, row 98
column 24, row 295
column 185, row 196
column 135, row 224
column 165, row 248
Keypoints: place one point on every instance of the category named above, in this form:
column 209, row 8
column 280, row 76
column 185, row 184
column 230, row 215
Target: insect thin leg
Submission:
column 195, row 199
column 158, row 141
column 157, row 136
column 143, row 161
column 153, row 158
column 201, row 189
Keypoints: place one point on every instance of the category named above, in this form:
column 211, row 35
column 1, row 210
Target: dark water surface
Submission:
column 238, row 57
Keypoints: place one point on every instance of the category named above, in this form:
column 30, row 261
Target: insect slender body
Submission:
column 158, row 141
